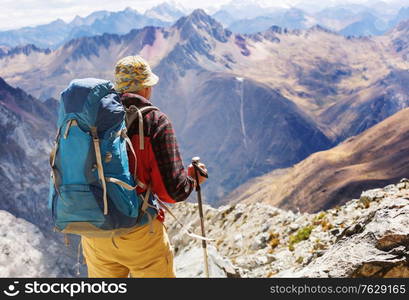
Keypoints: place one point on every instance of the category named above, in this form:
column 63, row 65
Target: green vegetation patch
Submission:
column 301, row 235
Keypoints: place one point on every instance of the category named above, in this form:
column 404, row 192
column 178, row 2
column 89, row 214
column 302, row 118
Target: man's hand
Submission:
column 191, row 172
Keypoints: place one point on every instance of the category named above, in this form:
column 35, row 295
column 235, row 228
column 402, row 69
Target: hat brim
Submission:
column 151, row 80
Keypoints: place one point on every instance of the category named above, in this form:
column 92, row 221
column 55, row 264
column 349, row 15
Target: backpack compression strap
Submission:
column 99, row 167
column 54, row 172
column 103, row 179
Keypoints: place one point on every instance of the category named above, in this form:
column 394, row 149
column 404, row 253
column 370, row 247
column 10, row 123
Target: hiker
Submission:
column 145, row 251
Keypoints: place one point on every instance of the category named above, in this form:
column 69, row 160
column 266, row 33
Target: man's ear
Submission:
column 148, row 92
column 143, row 92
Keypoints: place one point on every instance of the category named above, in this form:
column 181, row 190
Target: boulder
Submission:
column 377, row 246
column 190, row 264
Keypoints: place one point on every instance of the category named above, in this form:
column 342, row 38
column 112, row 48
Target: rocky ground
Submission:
column 366, row 237
column 26, row 252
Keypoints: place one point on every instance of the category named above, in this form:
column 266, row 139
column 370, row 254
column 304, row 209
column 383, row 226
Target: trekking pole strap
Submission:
column 185, row 228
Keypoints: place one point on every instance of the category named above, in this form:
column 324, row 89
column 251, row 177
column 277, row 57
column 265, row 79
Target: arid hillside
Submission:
column 377, row 157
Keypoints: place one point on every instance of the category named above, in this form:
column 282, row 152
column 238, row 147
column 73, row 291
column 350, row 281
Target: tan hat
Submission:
column 133, row 73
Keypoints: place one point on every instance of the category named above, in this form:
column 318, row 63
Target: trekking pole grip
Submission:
column 198, row 168
column 195, row 163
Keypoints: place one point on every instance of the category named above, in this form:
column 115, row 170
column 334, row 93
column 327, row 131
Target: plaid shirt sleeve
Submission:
column 172, row 182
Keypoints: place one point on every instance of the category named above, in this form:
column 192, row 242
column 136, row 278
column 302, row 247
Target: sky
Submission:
column 19, row 13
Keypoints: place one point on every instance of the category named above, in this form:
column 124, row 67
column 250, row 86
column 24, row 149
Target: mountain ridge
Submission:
column 333, row 86
column 326, row 179
column 25, row 156
column 58, row 32
column 253, row 19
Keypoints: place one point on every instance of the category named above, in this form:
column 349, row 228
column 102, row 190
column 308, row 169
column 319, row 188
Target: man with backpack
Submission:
column 114, row 162
column 145, row 251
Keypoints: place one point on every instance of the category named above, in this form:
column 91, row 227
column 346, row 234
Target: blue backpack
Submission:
column 92, row 192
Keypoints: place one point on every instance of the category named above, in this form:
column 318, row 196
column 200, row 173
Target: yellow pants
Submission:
column 140, row 253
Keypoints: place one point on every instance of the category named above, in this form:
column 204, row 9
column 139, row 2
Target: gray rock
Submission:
column 237, row 216
column 264, row 260
column 260, row 241
column 294, row 226
column 376, row 249
column 238, row 240
column 372, row 195
column 391, row 188
column 335, row 231
column 191, row 264
column 265, row 227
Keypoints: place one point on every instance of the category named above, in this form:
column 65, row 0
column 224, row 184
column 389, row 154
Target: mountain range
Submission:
column 24, row 167
column 300, row 91
column 349, row 19
column 58, row 32
column 244, row 17
column 27, row 129
column 291, row 123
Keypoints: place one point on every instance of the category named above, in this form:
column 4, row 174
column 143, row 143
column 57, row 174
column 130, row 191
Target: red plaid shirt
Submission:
column 160, row 163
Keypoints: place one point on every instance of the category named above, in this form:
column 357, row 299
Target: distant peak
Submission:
column 57, row 22
column 165, row 11
column 403, row 26
column 199, row 20
column 198, row 16
column 130, row 10
column 199, row 12
column 169, row 6
column 163, row 5
column 318, row 27
column 76, row 18
column 25, row 49
column 276, row 29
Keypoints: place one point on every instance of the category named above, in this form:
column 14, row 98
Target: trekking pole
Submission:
column 199, row 170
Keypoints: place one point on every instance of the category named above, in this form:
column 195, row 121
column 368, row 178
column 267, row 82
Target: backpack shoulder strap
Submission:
column 133, row 113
